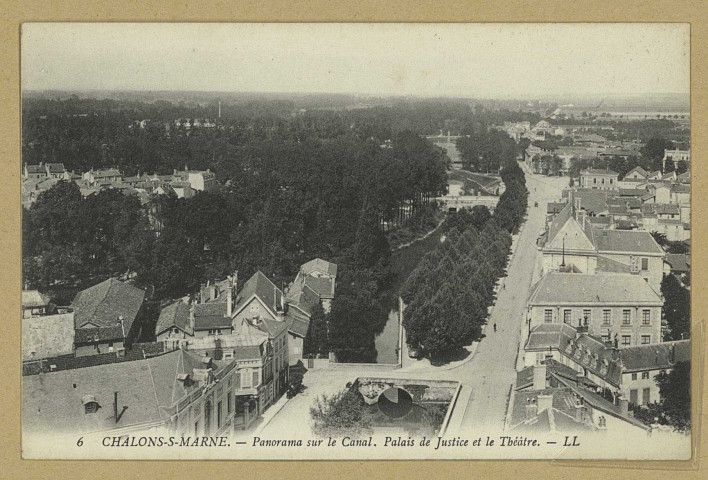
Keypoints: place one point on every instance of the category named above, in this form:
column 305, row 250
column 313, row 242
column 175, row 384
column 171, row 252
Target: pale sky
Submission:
column 470, row 60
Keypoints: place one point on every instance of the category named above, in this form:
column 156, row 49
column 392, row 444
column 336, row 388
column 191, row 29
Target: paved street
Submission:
column 490, row 367
column 491, row 371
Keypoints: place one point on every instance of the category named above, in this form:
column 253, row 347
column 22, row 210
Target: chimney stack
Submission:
column 624, row 406
column 115, row 406
column 579, row 379
column 229, row 296
column 539, row 377
column 531, row 408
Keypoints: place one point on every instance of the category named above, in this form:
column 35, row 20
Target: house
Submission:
column 679, row 263
column 622, row 372
column 642, row 363
column 55, row 170
column 685, row 177
column 551, row 397
column 34, row 303
column 570, row 238
column 252, row 351
column 100, row 177
column 35, row 171
column 597, row 179
column 182, row 189
column 47, row 336
column 637, row 173
column 107, row 317
column 201, row 181
column 675, row 156
column 262, row 305
column 609, row 305
column 176, row 393
column 211, row 312
column 314, row 284
column 174, row 325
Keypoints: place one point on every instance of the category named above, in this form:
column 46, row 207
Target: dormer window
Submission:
column 90, row 404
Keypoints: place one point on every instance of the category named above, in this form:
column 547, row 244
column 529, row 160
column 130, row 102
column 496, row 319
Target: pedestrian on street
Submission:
column 495, row 328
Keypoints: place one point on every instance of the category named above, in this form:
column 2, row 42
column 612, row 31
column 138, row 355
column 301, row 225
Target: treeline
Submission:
column 88, row 133
column 449, row 292
column 282, row 203
column 486, row 150
column 70, row 242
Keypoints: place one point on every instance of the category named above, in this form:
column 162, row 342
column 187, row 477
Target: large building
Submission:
column 177, row 393
column 622, row 372
column 597, row 179
column 107, row 317
column 612, row 306
column 572, row 243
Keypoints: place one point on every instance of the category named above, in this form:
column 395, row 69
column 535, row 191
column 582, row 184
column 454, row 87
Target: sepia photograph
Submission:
column 292, row 241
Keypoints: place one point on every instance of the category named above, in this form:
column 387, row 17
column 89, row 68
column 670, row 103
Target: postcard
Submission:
column 356, row 241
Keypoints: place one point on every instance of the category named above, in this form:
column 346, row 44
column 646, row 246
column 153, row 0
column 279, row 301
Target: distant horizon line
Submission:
column 529, row 96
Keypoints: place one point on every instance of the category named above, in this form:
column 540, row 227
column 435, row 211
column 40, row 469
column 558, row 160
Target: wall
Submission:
column 103, row 347
column 597, row 328
column 655, row 268
column 295, row 344
column 586, row 263
column 640, row 384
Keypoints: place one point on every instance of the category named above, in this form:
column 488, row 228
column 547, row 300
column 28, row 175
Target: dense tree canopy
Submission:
column 449, row 292
column 677, row 308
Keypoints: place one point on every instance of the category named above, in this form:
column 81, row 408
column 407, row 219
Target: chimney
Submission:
column 229, row 297
column 579, row 379
column 545, row 402
column 539, row 377
column 579, row 412
column 624, row 406
column 115, row 406
column 531, row 408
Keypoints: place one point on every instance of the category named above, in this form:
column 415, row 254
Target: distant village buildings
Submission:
column 181, row 183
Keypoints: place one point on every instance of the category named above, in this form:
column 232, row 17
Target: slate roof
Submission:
column 319, row 265
column 210, row 309
column 554, row 207
column 608, row 265
column 175, row 314
column 597, row 171
column 661, row 208
column 138, row 351
column 639, row 170
column 298, row 325
column 632, row 192
column 680, row 262
column 110, row 172
column 655, row 356
column 563, row 404
column 627, row 241
column 47, row 336
column 260, row 286
column 549, row 334
column 32, row 299
column 36, row 169
column 210, row 322
column 321, row 286
column 52, row 402
column 559, row 220
column 581, row 289
column 301, row 296
column 99, row 334
column 56, row 168
column 104, row 303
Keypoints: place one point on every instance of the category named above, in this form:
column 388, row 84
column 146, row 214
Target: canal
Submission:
column 403, row 262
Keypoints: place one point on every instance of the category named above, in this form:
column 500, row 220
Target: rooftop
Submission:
column 104, row 304
column 47, row 336
column 580, row 289
column 175, row 314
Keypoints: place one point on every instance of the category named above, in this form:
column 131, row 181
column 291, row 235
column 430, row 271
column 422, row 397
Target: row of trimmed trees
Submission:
column 449, row 293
